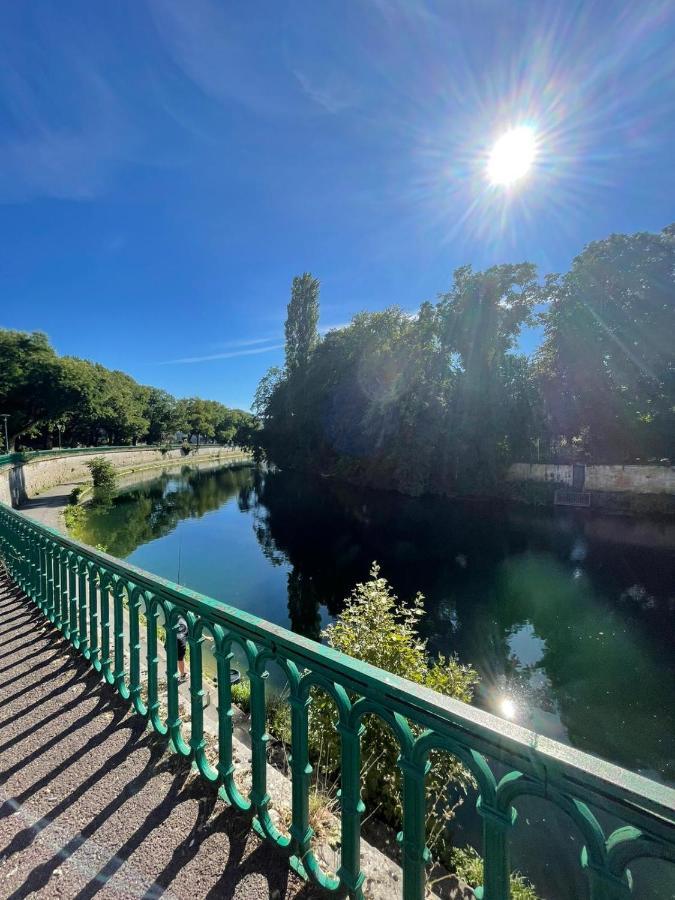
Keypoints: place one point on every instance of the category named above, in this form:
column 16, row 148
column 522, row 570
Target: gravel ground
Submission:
column 91, row 802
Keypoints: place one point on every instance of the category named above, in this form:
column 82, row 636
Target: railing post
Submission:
column 225, row 727
column 56, row 588
column 50, row 567
column 301, row 772
column 135, row 652
column 197, row 742
column 65, row 575
column 413, row 836
column 173, row 717
column 93, row 579
column 104, row 594
column 258, row 731
column 119, row 639
column 82, row 606
column 352, row 808
column 33, row 557
column 42, row 589
column 151, row 614
column 72, row 614
column 496, row 864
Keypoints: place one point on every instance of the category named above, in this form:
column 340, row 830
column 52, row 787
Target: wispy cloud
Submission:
column 246, row 342
column 66, row 130
column 229, row 355
column 333, row 97
column 224, row 55
column 243, row 347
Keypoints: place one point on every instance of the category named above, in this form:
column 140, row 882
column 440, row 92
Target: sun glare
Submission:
column 512, row 156
column 507, row 708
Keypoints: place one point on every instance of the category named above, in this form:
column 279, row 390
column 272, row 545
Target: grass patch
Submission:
column 467, row 864
column 241, row 696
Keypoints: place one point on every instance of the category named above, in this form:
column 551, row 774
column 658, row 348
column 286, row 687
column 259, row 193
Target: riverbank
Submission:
column 23, row 480
column 626, row 490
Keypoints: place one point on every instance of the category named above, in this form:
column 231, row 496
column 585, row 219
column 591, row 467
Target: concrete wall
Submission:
column 20, row 482
column 630, row 479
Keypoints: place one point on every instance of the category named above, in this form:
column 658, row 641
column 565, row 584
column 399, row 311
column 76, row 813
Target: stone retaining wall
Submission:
column 623, row 479
column 23, row 481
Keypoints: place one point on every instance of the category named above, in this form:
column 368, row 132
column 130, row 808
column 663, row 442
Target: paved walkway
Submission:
column 47, row 508
column 91, row 802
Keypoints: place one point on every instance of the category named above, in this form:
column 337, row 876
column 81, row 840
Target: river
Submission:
column 567, row 615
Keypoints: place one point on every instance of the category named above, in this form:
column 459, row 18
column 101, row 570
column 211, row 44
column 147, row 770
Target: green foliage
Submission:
column 75, row 518
column 34, row 388
column 93, row 405
column 301, row 322
column 162, row 412
column 209, row 420
column 378, row 628
column 75, row 494
column 467, row 864
column 607, row 367
column 380, row 401
column 440, row 402
column 279, row 716
column 241, row 696
column 104, row 480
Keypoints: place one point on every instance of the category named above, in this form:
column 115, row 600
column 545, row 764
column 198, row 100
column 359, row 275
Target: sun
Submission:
column 512, row 156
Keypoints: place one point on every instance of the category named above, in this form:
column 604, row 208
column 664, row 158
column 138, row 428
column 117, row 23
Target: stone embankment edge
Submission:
column 21, row 481
column 242, row 458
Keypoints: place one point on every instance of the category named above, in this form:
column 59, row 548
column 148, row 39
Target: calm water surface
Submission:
column 569, row 617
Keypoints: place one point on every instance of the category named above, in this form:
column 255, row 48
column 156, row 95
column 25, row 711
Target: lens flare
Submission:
column 512, row 156
column 508, row 708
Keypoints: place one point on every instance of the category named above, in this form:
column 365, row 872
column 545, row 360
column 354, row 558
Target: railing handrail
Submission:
column 605, row 784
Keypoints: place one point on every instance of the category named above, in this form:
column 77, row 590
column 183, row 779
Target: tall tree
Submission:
column 481, row 318
column 302, row 320
column 607, row 363
column 34, row 388
column 160, row 411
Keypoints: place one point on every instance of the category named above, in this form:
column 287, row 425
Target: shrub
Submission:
column 104, row 480
column 75, row 518
column 467, row 864
column 378, row 628
column 75, row 494
column 241, row 696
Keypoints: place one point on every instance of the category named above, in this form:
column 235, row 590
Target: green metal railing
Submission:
column 83, row 591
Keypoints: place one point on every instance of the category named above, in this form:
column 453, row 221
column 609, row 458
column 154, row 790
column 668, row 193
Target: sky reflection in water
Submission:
column 567, row 617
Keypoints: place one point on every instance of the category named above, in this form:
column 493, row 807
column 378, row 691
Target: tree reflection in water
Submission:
column 568, row 616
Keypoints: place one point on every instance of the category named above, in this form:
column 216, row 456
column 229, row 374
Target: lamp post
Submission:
column 5, row 416
column 59, row 428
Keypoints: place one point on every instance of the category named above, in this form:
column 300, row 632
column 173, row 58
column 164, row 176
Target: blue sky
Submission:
column 166, row 167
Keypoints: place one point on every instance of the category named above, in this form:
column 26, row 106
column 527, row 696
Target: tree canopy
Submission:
column 441, row 401
column 43, row 393
column 607, row 364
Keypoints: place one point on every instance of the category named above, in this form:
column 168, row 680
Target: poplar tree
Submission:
column 302, row 319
